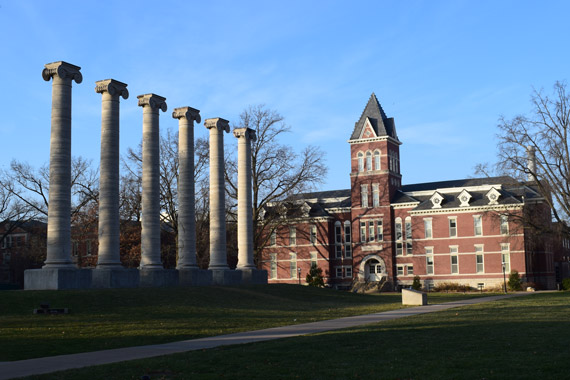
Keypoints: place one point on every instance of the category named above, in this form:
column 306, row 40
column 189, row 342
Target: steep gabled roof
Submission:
column 382, row 125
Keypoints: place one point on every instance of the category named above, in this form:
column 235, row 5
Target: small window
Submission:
column 348, row 272
column 313, row 258
column 409, row 248
column 338, row 272
column 477, row 224
column 454, row 264
column 428, row 228
column 400, row 270
column 376, row 160
column 89, row 248
column 399, row 248
column 452, row 227
column 410, row 270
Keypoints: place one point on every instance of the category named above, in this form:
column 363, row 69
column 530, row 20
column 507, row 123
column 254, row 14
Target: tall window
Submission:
column 338, row 239
column 452, row 227
column 375, row 195
column 504, row 225
column 371, row 233
column 369, row 161
column 74, row 248
column 338, row 271
column 293, row 265
column 89, row 248
column 379, row 230
column 398, row 228
column 360, row 162
column 377, row 160
column 292, row 235
column 313, row 234
column 454, row 260
column 479, row 258
column 506, row 257
column 347, row 239
column 362, row 232
column 313, row 258
column 427, row 228
column 273, row 265
column 273, row 238
column 364, row 195
column 429, row 260
column 408, row 225
column 477, row 225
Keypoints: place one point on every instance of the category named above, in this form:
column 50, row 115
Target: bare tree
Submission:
column 535, row 148
column 277, row 170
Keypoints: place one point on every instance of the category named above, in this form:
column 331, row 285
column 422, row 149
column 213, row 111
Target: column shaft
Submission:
column 186, row 191
column 59, row 208
column 218, row 258
column 150, row 234
column 109, row 253
column 245, row 209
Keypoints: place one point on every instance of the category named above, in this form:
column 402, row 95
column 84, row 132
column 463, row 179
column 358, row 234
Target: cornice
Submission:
column 375, row 139
column 466, row 209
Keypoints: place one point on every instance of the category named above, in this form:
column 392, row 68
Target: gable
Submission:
column 374, row 117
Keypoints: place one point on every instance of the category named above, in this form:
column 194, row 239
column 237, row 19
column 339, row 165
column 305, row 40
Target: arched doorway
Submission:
column 374, row 270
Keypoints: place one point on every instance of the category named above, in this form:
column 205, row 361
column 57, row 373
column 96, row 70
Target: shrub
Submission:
column 566, row 283
column 452, row 287
column 315, row 277
column 417, row 285
column 526, row 285
column 514, row 283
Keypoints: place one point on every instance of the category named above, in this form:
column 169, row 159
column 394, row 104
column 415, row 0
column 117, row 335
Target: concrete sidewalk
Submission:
column 20, row 368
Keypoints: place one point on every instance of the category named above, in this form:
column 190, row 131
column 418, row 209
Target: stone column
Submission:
column 245, row 209
column 111, row 91
column 218, row 259
column 150, row 234
column 59, row 209
column 186, row 196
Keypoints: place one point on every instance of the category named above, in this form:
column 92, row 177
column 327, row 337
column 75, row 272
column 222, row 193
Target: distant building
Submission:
column 382, row 232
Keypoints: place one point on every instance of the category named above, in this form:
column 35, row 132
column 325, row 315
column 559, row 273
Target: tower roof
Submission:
column 382, row 125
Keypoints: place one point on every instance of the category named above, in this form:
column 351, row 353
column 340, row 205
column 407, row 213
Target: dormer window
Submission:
column 464, row 198
column 305, row 208
column 493, row 196
column 262, row 214
column 282, row 211
column 436, row 199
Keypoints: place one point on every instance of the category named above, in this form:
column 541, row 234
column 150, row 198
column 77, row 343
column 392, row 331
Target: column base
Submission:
column 156, row 278
column 194, row 277
column 57, row 278
column 115, row 278
column 225, row 277
column 253, row 276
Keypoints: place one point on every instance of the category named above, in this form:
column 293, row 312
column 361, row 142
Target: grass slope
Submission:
column 111, row 318
column 522, row 338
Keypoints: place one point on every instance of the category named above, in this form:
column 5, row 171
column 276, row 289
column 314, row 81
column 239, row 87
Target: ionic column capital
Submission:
column 63, row 70
column 218, row 123
column 113, row 87
column 153, row 101
column 189, row 113
column 248, row 133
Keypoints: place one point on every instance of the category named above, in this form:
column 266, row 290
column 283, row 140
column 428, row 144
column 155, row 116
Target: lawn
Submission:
column 518, row 338
column 112, row 318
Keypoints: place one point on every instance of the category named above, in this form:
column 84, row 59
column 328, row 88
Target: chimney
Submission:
column 531, row 163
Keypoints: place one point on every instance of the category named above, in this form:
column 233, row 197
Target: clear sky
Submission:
column 445, row 70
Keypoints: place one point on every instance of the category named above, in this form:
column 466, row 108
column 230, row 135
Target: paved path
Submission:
column 20, row 368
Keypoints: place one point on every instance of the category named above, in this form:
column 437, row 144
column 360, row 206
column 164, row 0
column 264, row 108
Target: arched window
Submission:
column 377, row 160
column 399, row 244
column 360, row 162
column 338, row 239
column 369, row 161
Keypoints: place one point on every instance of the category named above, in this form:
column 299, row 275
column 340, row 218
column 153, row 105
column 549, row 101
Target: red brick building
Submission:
column 461, row 231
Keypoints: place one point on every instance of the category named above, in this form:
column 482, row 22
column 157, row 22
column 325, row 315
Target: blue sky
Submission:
column 445, row 70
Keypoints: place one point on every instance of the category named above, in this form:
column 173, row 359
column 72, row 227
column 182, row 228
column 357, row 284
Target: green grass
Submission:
column 104, row 319
column 518, row 338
